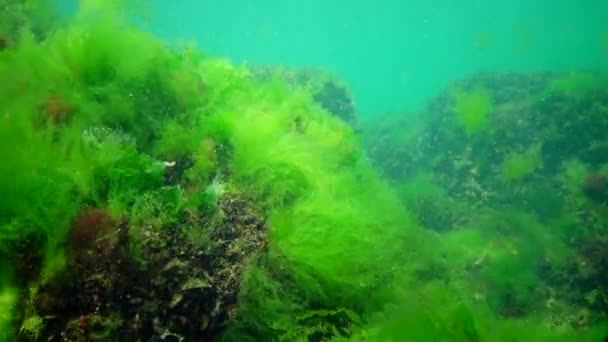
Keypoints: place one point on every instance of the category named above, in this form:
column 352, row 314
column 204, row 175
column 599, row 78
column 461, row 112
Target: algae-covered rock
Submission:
column 534, row 124
column 526, row 145
column 328, row 91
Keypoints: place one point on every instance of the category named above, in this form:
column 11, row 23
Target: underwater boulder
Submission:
column 499, row 144
column 327, row 90
column 336, row 100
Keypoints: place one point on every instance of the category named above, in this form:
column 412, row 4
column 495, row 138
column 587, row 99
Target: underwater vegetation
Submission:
column 159, row 194
column 522, row 201
column 472, row 108
column 155, row 194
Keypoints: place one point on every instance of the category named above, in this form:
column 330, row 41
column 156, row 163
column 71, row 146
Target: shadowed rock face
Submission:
column 183, row 290
column 336, row 100
column 329, row 93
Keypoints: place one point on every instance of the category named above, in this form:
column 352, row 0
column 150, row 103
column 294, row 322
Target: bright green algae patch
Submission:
column 329, row 211
column 94, row 113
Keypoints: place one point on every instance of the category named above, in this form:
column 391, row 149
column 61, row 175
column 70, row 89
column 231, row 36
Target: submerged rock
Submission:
column 327, row 90
column 511, row 157
column 184, row 289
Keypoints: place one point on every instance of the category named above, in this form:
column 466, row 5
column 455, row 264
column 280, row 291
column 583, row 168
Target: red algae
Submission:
column 595, row 187
column 57, row 109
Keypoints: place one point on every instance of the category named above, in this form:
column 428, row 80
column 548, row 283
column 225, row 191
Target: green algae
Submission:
column 472, row 108
column 516, row 166
column 345, row 259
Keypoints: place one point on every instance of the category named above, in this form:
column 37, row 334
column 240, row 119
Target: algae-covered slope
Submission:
column 510, row 171
column 152, row 194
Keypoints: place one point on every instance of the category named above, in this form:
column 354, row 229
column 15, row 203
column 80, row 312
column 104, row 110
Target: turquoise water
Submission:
column 396, row 54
